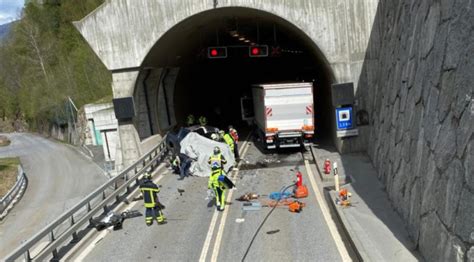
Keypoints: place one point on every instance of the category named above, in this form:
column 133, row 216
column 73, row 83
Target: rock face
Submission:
column 419, row 78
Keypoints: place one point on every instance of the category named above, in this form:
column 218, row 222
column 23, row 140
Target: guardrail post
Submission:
column 55, row 254
column 27, row 256
column 89, row 207
column 72, row 220
column 115, row 185
column 103, row 195
column 51, row 236
column 75, row 239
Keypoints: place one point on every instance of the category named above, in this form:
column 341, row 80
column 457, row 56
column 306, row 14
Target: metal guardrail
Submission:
column 13, row 192
column 74, row 221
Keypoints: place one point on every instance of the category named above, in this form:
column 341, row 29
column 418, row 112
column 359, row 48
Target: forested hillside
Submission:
column 44, row 60
column 4, row 29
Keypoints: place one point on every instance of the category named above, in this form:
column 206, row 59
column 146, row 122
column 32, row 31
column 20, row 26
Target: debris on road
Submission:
column 248, row 197
column 239, row 220
column 273, row 231
column 210, row 194
column 138, row 198
column 251, row 206
column 180, row 191
column 114, row 219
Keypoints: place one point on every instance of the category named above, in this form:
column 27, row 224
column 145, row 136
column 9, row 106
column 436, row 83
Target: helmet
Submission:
column 202, row 120
column 190, row 120
column 147, row 175
column 213, row 136
column 221, row 132
column 217, row 150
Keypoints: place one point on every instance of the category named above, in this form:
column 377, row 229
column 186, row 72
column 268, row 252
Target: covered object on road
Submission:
column 200, row 148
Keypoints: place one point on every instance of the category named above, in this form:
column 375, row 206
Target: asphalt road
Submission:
column 301, row 237
column 58, row 177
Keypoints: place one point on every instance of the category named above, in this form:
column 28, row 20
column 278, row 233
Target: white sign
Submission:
column 346, row 133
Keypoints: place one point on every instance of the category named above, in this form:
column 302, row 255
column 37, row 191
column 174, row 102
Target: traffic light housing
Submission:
column 217, row 52
column 258, row 51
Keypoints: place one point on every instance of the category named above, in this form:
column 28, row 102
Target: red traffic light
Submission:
column 258, row 51
column 255, row 51
column 217, row 52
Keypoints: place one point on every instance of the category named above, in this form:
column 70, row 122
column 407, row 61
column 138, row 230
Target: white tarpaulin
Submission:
column 200, row 149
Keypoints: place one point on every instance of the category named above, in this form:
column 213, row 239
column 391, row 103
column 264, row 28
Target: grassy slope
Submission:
column 8, row 173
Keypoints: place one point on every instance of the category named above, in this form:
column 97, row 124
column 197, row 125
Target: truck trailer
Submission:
column 284, row 114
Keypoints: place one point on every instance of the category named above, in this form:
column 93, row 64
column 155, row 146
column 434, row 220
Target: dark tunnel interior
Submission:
column 212, row 87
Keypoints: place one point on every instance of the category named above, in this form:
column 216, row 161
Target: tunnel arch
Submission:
column 181, row 52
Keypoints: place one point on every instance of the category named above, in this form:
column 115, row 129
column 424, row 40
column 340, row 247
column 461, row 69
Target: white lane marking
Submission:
column 207, row 242
column 220, row 232
column 103, row 234
column 324, row 209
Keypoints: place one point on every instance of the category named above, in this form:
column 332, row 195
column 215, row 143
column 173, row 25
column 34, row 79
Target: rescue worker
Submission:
column 234, row 133
column 217, row 162
column 235, row 136
column 229, row 141
column 190, row 120
column 202, row 121
column 153, row 207
column 175, row 164
column 185, row 165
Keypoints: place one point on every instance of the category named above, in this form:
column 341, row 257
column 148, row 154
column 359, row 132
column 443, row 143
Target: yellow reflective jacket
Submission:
column 229, row 141
column 217, row 161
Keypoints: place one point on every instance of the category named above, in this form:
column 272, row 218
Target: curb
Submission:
column 354, row 241
column 15, row 193
column 329, row 196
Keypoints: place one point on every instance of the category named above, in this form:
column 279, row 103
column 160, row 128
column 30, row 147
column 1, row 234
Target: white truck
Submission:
column 284, row 114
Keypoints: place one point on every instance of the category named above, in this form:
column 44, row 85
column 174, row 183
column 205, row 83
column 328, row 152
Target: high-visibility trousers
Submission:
column 152, row 213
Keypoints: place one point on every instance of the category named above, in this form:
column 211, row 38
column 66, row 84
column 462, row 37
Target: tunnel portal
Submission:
column 212, row 87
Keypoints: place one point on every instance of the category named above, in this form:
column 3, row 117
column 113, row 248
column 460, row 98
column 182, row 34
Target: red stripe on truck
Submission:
column 268, row 111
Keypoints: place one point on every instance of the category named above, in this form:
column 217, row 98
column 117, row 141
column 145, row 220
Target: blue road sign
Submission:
column 344, row 118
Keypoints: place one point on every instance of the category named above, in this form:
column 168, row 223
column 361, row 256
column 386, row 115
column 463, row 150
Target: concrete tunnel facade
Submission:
column 150, row 47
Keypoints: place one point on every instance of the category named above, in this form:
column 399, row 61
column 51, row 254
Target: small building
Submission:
column 102, row 128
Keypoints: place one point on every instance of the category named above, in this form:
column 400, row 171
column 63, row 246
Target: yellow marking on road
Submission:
column 220, row 232
column 327, row 216
column 210, row 233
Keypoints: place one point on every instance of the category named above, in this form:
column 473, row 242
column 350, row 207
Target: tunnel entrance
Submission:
column 213, row 87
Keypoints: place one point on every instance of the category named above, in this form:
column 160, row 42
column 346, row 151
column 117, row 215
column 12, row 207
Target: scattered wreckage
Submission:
column 193, row 146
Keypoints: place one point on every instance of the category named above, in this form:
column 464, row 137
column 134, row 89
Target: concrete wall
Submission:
column 122, row 32
column 417, row 85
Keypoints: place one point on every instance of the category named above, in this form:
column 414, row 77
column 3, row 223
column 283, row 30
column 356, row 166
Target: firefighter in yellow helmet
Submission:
column 153, row 207
column 217, row 162
column 202, row 120
column 190, row 120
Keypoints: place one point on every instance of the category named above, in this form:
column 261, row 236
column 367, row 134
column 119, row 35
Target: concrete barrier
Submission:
column 14, row 195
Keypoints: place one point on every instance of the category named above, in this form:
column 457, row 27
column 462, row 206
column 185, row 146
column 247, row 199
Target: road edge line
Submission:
column 327, row 216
